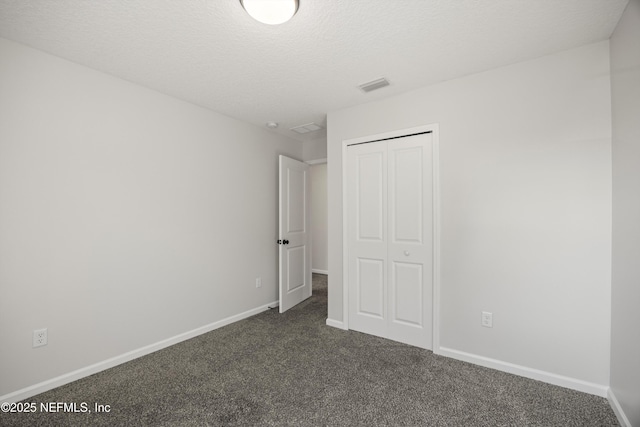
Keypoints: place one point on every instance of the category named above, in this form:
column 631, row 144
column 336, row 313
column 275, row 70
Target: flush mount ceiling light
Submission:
column 272, row 12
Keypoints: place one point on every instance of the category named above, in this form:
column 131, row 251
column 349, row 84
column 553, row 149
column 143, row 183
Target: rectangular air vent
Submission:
column 309, row 127
column 373, row 85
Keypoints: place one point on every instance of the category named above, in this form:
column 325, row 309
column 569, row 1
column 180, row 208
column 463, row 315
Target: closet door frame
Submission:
column 434, row 130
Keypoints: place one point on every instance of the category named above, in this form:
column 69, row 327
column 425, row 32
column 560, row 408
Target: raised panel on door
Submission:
column 296, row 185
column 295, row 260
column 370, row 195
column 410, row 248
column 406, row 193
column 367, row 235
column 370, row 287
column 407, row 302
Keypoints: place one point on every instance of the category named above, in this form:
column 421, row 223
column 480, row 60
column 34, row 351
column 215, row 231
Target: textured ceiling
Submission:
column 211, row 53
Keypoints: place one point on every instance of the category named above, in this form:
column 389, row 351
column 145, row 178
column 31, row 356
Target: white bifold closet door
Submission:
column 390, row 238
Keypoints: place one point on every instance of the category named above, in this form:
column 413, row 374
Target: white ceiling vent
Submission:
column 373, row 85
column 309, row 127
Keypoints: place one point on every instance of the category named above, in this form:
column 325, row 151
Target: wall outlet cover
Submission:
column 40, row 337
column 487, row 319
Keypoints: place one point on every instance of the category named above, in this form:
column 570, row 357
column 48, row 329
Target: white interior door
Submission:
column 390, row 238
column 294, row 234
column 367, row 237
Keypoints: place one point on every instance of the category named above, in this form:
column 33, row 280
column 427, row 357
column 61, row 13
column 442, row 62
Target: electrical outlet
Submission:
column 39, row 337
column 259, row 282
column 487, row 319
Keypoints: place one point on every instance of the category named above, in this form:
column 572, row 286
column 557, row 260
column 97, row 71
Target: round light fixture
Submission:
column 271, row 125
column 272, row 12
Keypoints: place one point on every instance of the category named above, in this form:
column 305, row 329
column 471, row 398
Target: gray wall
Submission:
column 126, row 217
column 625, row 307
column 525, row 180
column 319, row 231
column 315, row 149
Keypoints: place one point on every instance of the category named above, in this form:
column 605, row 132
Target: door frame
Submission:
column 434, row 130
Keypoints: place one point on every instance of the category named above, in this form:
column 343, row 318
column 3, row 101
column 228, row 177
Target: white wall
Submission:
column 126, row 216
column 319, row 231
column 525, row 172
column 315, row 149
column 625, row 309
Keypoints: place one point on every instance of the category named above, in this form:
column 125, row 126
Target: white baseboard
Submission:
column 118, row 360
column 523, row 371
column 617, row 409
column 315, row 270
column 336, row 324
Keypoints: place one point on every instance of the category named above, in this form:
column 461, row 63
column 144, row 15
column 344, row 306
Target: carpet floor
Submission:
column 292, row 370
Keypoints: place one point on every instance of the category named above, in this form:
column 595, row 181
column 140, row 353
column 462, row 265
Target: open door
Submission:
column 294, row 234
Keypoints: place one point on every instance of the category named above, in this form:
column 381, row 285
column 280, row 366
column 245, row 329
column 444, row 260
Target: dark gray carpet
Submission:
column 292, row 369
